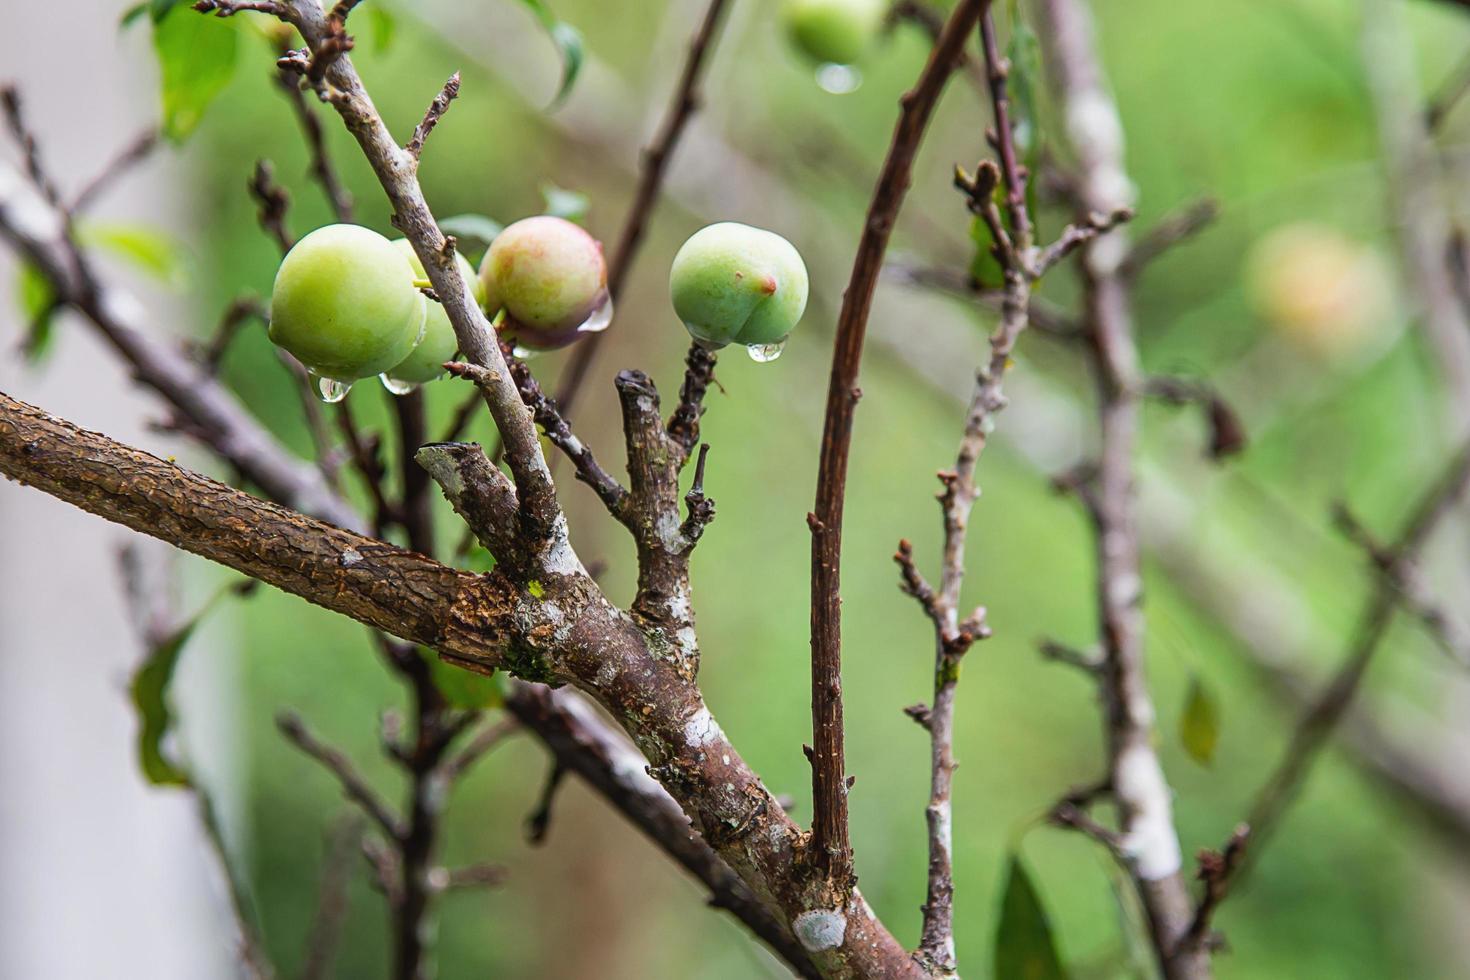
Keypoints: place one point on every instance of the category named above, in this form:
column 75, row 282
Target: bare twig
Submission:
column 831, row 848
column 435, row 112
column 699, row 372
column 229, row 8
column 354, row 786
column 1217, row 871
column 1135, row 774
column 550, row 419
column 538, row 823
column 40, row 233
column 655, row 162
column 1322, row 716
column 273, row 202
column 133, row 154
column 321, row 167
column 1171, row 231
column 487, row 738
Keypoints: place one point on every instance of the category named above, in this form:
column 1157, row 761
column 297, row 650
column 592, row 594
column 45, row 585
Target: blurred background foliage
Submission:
column 1263, row 107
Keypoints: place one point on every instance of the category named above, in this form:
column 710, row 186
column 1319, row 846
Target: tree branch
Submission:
column 1136, row 776
column 831, row 848
column 39, row 233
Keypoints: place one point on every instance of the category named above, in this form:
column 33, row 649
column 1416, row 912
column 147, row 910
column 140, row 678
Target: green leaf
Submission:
column 149, row 691
column 159, row 9
column 479, row 559
column 568, row 41
column 38, row 307
column 985, row 268
column 132, row 14
column 475, row 226
column 571, row 205
column 381, row 25
column 1199, row 726
column 463, row 688
column 1024, row 946
column 1024, row 54
column 196, row 59
column 151, row 250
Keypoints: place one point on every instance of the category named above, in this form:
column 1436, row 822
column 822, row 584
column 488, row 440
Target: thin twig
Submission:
column 550, row 419
column 133, row 154
column 1171, row 231
column 432, row 115
column 654, row 164
column 353, row 784
column 831, row 848
column 273, row 202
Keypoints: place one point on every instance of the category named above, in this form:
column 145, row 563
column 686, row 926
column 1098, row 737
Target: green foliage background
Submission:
column 1262, row 106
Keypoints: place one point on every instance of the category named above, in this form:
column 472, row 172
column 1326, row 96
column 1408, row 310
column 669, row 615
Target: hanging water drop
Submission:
column 331, row 390
column 397, row 387
column 839, row 79
column 765, row 353
column 524, row 353
column 600, row 319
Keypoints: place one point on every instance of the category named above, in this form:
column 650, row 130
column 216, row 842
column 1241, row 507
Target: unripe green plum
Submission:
column 345, row 304
column 835, row 31
column 734, row 284
column 550, row 278
column 440, row 344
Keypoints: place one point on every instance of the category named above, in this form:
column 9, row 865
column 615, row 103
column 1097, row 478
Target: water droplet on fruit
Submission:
column 524, row 353
column 765, row 353
column 331, row 390
column 398, row 387
column 600, row 319
column 839, row 79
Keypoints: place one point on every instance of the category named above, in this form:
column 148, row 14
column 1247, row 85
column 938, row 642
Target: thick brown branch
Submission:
column 583, row 744
column 394, row 590
column 831, row 849
column 39, row 234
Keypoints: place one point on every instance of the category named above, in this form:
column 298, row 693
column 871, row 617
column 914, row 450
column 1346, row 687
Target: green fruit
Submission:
column 549, row 277
column 834, row 31
column 345, row 304
column 734, row 284
column 440, row 343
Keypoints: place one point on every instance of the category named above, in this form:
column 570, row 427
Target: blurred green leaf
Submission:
column 1024, row 55
column 463, row 688
column 159, row 9
column 149, row 691
column 1024, row 946
column 38, row 307
column 475, row 226
column 196, row 59
column 985, row 268
column 571, row 205
column 132, row 14
column 568, row 41
column 381, row 24
column 479, row 559
column 151, row 250
column 1199, row 726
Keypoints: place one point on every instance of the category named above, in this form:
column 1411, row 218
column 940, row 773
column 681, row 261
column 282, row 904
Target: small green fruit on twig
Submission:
column 550, row 278
column 834, row 31
column 734, row 284
column 345, row 305
column 440, row 344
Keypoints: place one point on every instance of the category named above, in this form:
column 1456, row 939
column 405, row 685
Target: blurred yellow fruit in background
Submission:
column 1321, row 290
